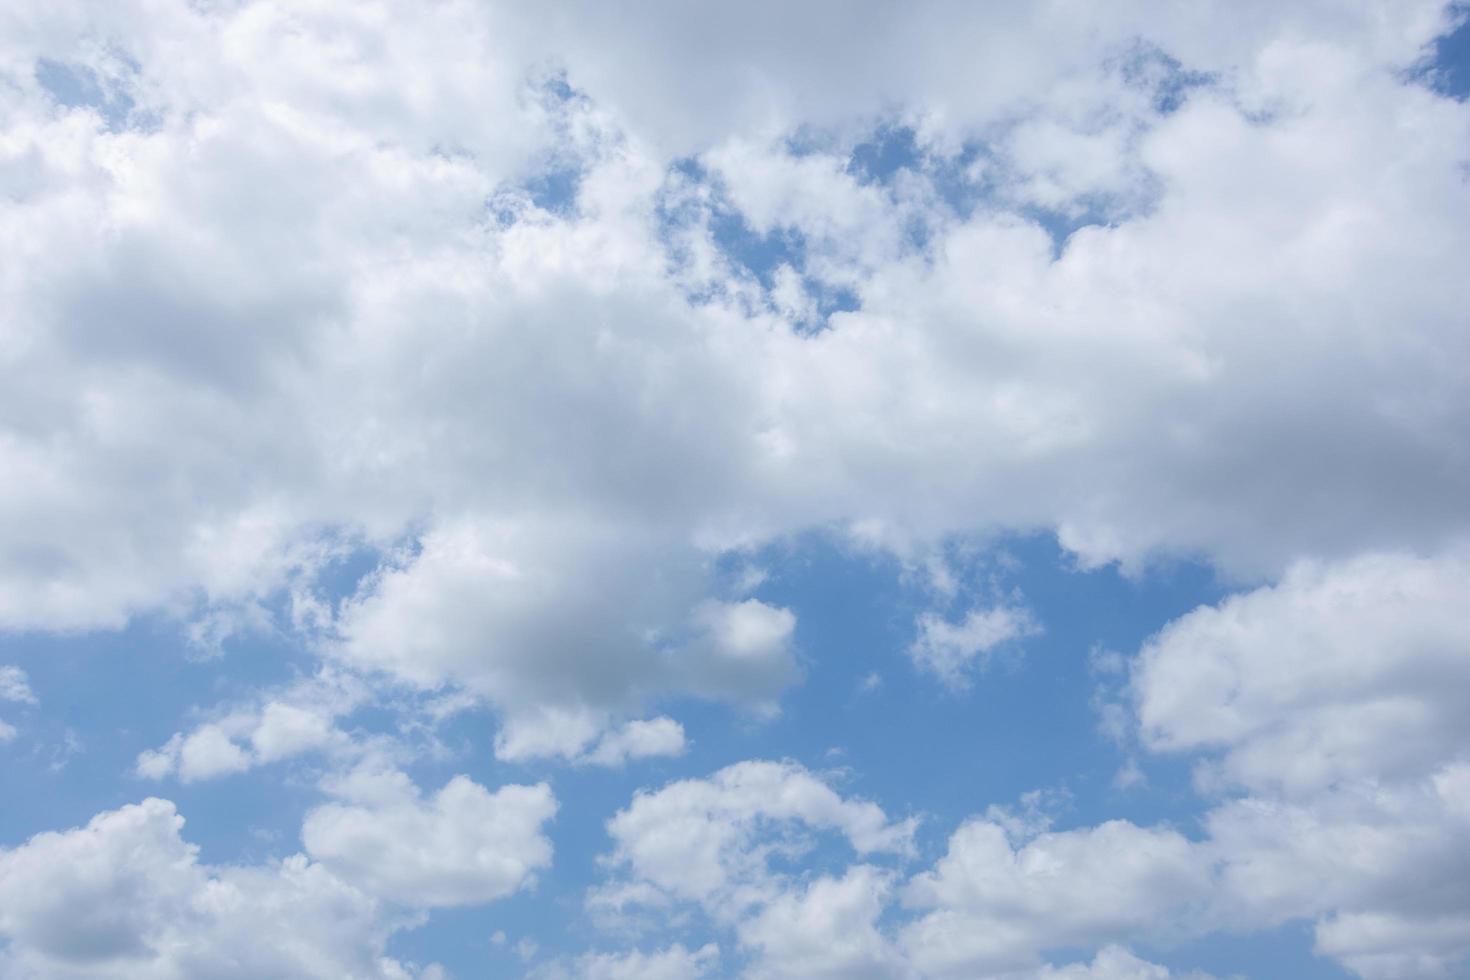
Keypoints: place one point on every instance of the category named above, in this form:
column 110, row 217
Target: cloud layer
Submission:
column 480, row 354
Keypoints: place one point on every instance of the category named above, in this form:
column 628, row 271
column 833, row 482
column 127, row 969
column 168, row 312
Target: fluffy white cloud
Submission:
column 1335, row 700
column 827, row 928
column 283, row 723
column 1381, row 868
column 280, row 283
column 568, row 436
column 639, row 739
column 709, row 840
column 1339, row 672
column 994, row 907
column 546, row 621
column 125, row 897
column 463, row 845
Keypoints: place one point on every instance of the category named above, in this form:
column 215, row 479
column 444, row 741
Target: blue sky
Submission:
column 734, row 492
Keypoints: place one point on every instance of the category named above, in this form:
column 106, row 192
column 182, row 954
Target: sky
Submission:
column 672, row 491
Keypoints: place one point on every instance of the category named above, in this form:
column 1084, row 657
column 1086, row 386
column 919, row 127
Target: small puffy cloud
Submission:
column 279, row 725
column 209, row 752
column 463, row 845
column 741, row 651
column 15, row 686
column 286, row 730
column 639, row 739
column 709, row 841
column 951, row 650
column 125, row 898
column 205, row 753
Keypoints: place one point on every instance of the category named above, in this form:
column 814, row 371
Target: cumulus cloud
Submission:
column 639, row 739
column 463, row 845
column 994, row 907
column 710, row 841
column 280, row 724
column 718, row 844
column 828, row 928
column 545, row 621
column 126, row 897
column 281, row 284
column 567, row 421
column 1338, row 672
column 1332, row 701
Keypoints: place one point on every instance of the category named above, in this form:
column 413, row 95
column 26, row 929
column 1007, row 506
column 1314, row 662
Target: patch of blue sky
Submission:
column 752, row 254
column 80, row 87
column 1447, row 70
column 1286, row 951
column 1170, row 83
column 553, row 183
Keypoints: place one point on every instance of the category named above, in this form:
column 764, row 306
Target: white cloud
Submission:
column 673, row 963
column 1003, row 896
column 991, row 907
column 639, row 739
column 1334, row 699
column 827, row 928
column 1339, row 672
column 281, row 724
column 546, row 622
column 1110, row 963
column 125, row 897
column 953, row 400
column 15, row 686
column 709, row 840
column 1379, row 864
column 463, row 845
column 286, row 730
column 552, row 426
column 952, row 650
column 567, row 438
column 209, row 752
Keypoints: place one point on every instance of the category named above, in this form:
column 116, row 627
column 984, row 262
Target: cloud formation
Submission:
column 465, row 350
